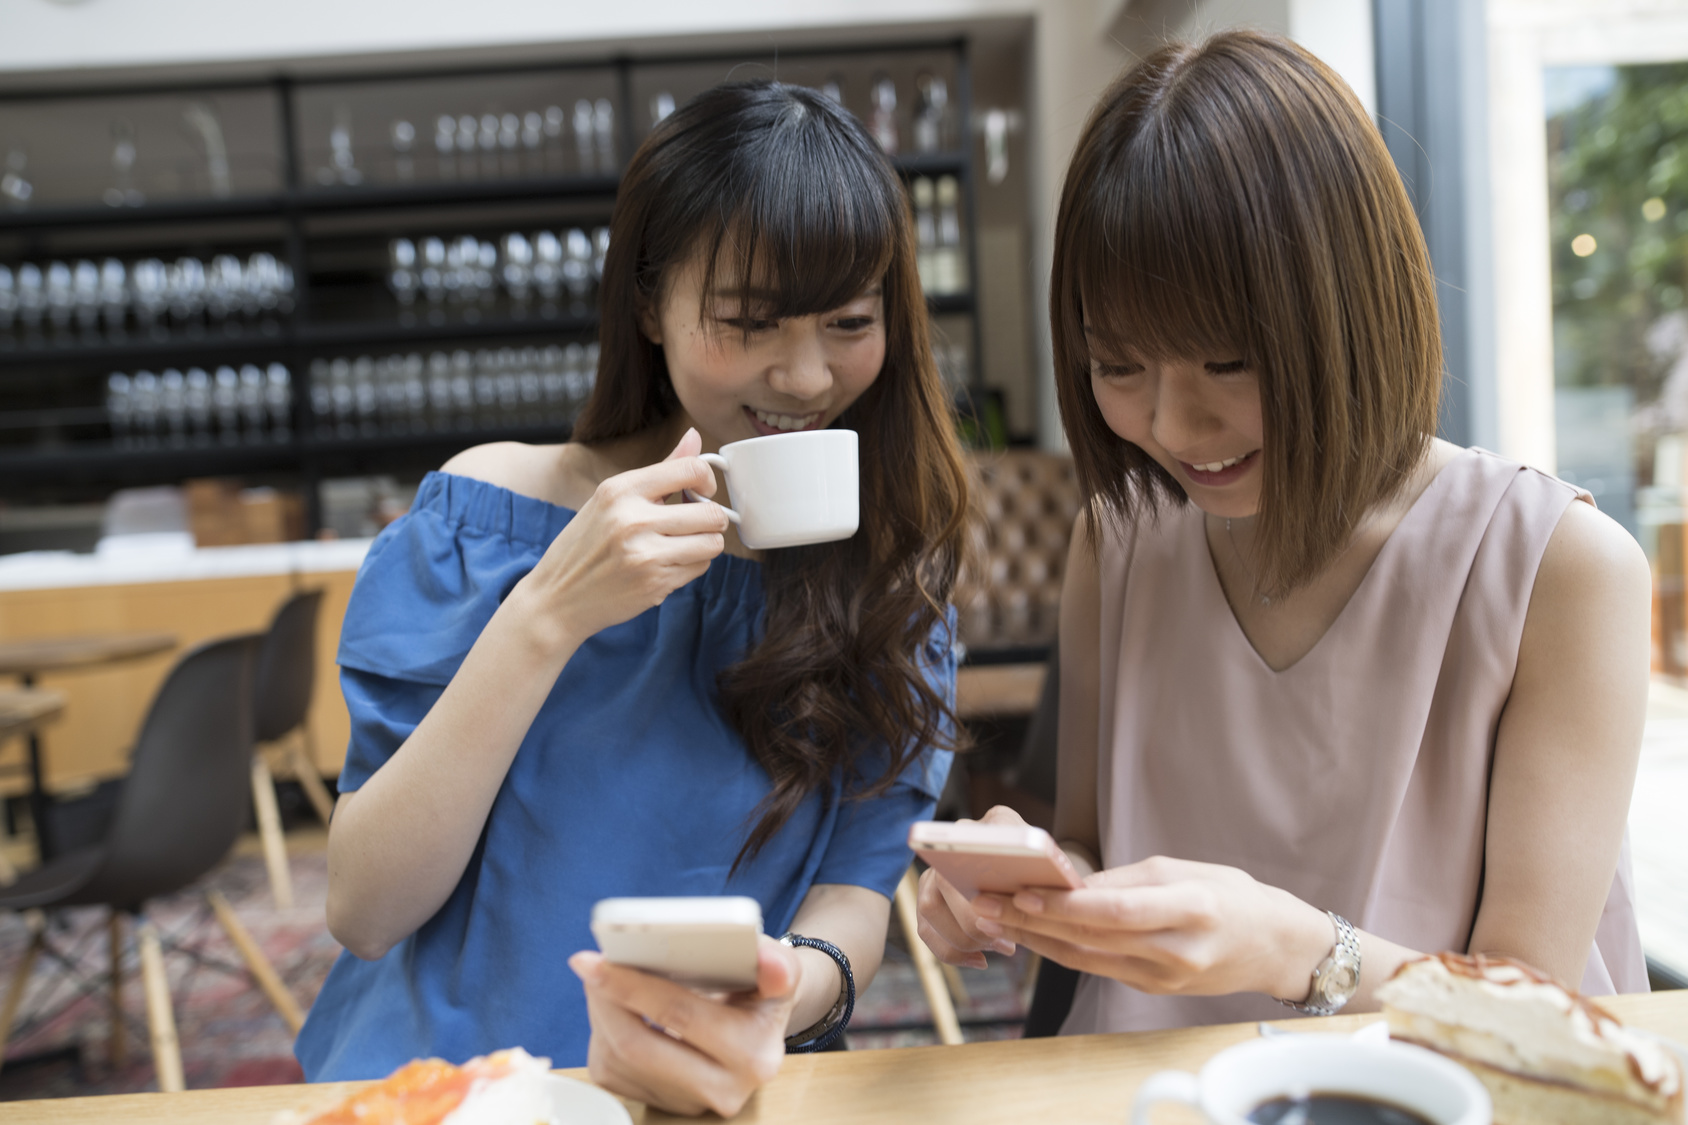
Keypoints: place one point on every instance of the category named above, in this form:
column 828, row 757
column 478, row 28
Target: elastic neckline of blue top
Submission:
column 472, row 502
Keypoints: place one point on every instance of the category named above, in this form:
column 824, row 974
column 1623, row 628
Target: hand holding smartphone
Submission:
column 999, row 858
column 703, row 943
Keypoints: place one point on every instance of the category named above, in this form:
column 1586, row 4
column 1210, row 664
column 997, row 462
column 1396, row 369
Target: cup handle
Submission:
column 719, row 462
column 1165, row 1086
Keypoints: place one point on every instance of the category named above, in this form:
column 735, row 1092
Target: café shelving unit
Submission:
column 55, row 442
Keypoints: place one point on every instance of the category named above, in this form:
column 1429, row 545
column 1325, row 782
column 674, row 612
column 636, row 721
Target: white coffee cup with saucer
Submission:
column 1240, row 1079
column 788, row 490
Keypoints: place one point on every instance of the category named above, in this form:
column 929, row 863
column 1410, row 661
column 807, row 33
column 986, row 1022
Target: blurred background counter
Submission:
column 194, row 594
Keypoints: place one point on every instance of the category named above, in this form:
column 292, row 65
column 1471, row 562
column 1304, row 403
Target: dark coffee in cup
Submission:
column 1334, row 1109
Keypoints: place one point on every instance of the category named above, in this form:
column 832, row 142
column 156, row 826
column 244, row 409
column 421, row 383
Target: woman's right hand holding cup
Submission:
column 948, row 922
column 626, row 549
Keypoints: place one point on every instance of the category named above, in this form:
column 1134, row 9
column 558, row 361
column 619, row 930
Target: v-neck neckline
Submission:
column 1217, row 587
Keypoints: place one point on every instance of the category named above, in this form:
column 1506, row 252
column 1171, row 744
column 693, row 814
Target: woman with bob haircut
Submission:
column 568, row 684
column 1334, row 692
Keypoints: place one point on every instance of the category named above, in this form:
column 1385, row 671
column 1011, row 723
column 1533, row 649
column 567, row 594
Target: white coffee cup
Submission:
column 788, row 490
column 1237, row 1081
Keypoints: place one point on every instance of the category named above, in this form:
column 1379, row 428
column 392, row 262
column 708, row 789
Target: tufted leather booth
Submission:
column 1009, row 594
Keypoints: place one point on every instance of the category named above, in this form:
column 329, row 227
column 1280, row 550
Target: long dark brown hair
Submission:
column 1234, row 199
column 778, row 184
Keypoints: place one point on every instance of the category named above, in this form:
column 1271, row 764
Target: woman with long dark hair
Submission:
column 566, row 683
column 1334, row 692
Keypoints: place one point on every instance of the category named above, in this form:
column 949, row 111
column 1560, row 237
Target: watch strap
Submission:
column 1344, row 953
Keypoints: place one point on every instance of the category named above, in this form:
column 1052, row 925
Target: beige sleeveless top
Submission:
column 1358, row 777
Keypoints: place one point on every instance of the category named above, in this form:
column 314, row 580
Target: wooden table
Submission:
column 28, row 659
column 992, row 690
column 1082, row 1079
column 24, row 710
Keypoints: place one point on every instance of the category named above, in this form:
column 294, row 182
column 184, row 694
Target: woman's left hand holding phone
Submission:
column 683, row 1051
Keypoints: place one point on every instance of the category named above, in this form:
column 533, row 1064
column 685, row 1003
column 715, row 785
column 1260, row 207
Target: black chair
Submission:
column 179, row 812
column 281, row 704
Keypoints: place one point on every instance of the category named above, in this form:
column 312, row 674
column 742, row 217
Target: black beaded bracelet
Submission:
column 821, row 1035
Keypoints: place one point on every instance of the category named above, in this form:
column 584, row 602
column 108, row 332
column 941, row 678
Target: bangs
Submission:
column 808, row 232
column 1157, row 254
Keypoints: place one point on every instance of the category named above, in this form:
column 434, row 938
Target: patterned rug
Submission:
column 230, row 1036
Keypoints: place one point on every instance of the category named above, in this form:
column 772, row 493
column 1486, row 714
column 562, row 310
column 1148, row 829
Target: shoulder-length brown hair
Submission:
column 1233, row 198
column 778, row 186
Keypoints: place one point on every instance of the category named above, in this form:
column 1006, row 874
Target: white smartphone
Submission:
column 704, row 943
column 1000, row 858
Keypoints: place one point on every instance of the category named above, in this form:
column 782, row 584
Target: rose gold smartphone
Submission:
column 1000, row 858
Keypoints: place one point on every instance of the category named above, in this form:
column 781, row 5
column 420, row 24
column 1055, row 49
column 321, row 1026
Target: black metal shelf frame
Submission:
column 300, row 338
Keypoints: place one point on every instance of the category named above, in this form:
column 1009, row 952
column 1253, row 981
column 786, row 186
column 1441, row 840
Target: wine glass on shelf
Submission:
column 547, row 264
column 401, row 270
column 445, row 142
column 85, row 289
column 172, row 404
column 225, row 398
column 402, row 136
column 114, row 293
column 32, row 295
column 144, row 407
column 577, row 267
column 8, row 298
column 149, row 282
column 517, row 270
column 197, row 398
column 254, row 410
column 61, row 294
column 278, row 400
column 118, row 405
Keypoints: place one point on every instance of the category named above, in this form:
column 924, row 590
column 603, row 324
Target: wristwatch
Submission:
column 1338, row 975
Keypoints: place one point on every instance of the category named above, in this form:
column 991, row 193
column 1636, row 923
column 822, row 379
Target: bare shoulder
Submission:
column 1590, row 555
column 544, row 472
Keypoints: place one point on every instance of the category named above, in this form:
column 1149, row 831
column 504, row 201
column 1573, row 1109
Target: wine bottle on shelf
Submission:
column 949, row 268
column 925, row 233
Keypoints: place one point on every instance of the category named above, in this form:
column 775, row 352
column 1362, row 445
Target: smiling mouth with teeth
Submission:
column 791, row 422
column 1219, row 466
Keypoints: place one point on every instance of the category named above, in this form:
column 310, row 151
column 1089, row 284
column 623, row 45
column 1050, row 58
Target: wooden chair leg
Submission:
column 304, row 764
column 268, row 979
column 20, row 982
column 269, row 831
column 932, row 982
column 119, row 1042
column 161, row 1020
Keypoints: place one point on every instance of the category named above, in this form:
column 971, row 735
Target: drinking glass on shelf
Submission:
column 224, row 285
column 882, row 122
column 600, row 251
column 402, row 136
column 225, row 398
column 555, row 122
column 434, row 266
column 553, row 386
column 8, row 299
column 462, row 390
column 603, row 130
column 278, row 400
column 439, row 390
column 574, row 377
column 467, row 127
column 342, row 160
column 401, row 270
column 486, row 271
column 415, row 393
column 343, row 397
column 488, row 134
column 186, row 284
column 172, row 405
column 532, row 388
column 547, row 263
column 509, row 384
column 583, row 135
column 85, row 286
column 196, row 397
column 486, row 389
column 253, row 409
column 517, row 270
column 577, row 267
column 114, row 292
column 61, row 294
column 929, row 118
column 144, row 406
column 445, row 141
column 322, row 397
column 118, row 406
column 149, row 281
column 366, row 394
column 661, row 106
column 32, row 294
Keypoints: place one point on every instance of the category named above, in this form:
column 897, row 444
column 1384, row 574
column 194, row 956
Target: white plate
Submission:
column 579, row 1103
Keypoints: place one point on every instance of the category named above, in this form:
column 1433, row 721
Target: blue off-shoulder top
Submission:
column 629, row 782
